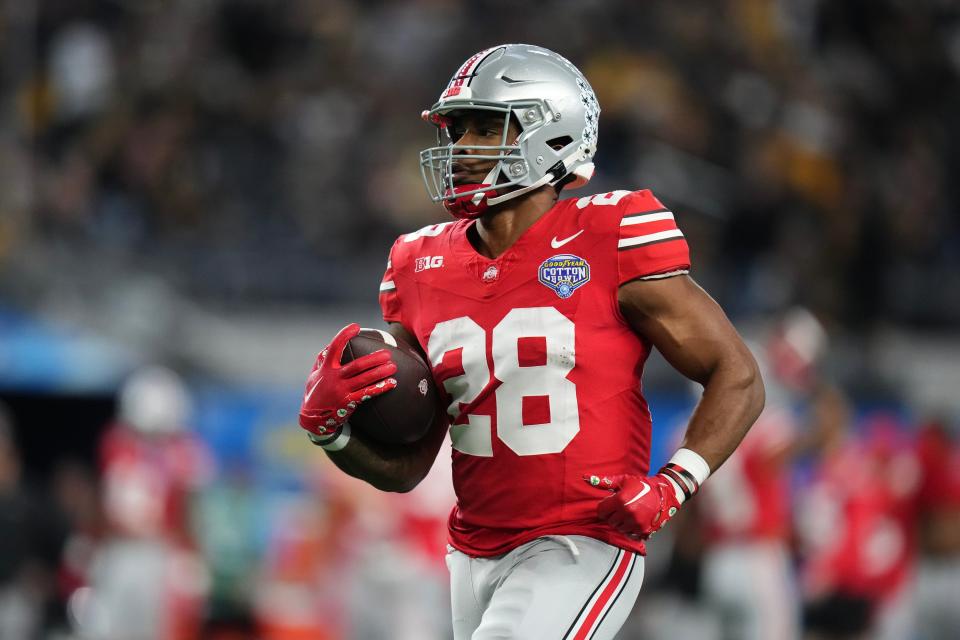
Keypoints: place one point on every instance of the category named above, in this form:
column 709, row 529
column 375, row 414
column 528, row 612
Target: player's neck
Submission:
column 499, row 228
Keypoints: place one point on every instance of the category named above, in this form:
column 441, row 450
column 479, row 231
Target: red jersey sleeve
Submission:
column 650, row 245
column 389, row 299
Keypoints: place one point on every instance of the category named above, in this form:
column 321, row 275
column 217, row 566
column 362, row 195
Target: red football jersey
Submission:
column 540, row 369
column 939, row 457
column 748, row 498
column 857, row 520
column 147, row 481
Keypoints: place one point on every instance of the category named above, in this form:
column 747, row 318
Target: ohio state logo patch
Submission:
column 564, row 273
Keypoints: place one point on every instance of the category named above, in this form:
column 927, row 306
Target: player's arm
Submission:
column 695, row 336
column 397, row 468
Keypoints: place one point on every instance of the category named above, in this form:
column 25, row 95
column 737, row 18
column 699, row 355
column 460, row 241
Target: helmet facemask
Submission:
column 512, row 162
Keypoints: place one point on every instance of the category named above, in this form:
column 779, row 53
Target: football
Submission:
column 403, row 415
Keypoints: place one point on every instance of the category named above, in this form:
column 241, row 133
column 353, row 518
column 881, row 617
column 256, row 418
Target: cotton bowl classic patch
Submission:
column 564, row 274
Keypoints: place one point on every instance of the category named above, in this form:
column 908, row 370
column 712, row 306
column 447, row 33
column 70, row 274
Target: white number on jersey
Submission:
column 611, row 198
column 465, row 334
column 549, row 379
column 427, row 232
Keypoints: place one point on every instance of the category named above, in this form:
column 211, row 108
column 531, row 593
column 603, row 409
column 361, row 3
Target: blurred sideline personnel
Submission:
column 856, row 520
column 536, row 316
column 148, row 578
column 748, row 575
column 938, row 579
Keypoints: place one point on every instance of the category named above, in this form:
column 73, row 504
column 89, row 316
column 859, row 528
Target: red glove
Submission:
column 639, row 506
column 335, row 390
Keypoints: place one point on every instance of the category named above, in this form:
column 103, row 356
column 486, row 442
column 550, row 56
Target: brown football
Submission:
column 403, row 415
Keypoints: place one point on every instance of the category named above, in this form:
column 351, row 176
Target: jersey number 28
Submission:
column 548, row 379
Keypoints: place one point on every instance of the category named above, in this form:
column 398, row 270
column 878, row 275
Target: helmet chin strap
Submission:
column 469, row 207
column 519, row 192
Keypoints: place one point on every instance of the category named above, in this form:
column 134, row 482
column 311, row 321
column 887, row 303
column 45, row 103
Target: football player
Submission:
column 536, row 316
column 857, row 514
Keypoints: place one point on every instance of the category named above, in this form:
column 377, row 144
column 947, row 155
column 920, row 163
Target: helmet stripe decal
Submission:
column 465, row 72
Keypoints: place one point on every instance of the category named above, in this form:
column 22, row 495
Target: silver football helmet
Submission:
column 552, row 102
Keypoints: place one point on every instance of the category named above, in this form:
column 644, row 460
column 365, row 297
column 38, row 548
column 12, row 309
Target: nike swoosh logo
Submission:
column 556, row 244
column 643, row 492
column 312, row 389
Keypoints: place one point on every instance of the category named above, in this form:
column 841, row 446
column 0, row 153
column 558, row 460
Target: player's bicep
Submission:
column 685, row 324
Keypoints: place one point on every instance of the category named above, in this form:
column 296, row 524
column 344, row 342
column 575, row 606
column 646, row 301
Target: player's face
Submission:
column 477, row 129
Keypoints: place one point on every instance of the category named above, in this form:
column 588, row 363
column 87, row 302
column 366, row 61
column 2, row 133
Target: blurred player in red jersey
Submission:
column 857, row 527
column 536, row 316
column 148, row 577
column 938, row 579
column 748, row 575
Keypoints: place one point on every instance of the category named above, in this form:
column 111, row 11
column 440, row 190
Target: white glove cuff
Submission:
column 677, row 489
column 333, row 443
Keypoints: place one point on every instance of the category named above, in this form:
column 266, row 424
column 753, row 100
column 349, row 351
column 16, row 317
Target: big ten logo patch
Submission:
column 428, row 262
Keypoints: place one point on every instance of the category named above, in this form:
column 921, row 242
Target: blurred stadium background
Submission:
column 213, row 185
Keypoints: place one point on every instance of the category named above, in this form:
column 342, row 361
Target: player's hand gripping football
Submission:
column 639, row 506
column 335, row 390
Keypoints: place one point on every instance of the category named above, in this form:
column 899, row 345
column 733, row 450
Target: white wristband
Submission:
column 686, row 471
column 692, row 462
column 336, row 443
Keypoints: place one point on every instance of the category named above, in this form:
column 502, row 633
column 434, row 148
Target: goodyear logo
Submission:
column 564, row 274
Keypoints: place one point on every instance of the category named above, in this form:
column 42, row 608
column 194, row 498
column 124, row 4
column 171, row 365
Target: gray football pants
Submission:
column 553, row 588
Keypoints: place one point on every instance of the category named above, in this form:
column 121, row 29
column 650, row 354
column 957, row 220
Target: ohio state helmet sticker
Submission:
column 465, row 73
column 564, row 274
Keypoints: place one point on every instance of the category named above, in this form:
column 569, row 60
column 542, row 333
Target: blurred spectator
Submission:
column 938, row 579
column 241, row 148
column 81, row 71
column 31, row 541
